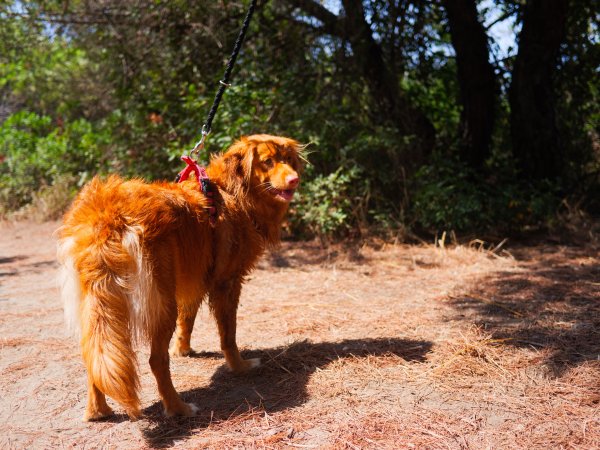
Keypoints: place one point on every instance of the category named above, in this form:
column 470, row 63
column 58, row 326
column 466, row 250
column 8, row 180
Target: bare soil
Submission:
column 388, row 346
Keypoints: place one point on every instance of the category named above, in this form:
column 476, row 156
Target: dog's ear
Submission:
column 238, row 163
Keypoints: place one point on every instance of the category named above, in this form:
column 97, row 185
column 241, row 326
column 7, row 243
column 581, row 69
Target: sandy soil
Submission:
column 394, row 347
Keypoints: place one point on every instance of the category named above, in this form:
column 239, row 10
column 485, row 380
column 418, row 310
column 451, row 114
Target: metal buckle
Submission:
column 200, row 144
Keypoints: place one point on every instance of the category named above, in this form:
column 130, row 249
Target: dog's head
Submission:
column 260, row 165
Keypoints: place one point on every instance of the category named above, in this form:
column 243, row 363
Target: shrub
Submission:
column 49, row 202
column 449, row 196
column 35, row 153
column 327, row 204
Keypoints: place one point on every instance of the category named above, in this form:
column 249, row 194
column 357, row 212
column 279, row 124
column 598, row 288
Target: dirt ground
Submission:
column 390, row 347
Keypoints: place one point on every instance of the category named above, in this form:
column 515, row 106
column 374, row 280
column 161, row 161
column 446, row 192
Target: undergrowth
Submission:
column 44, row 162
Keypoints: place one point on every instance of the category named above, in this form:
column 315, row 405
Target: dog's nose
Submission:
column 292, row 180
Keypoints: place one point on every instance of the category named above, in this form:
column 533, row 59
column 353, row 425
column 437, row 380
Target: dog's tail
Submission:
column 96, row 296
column 106, row 344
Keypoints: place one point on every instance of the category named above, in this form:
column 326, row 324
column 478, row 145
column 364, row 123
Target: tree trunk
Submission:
column 476, row 79
column 383, row 83
column 390, row 104
column 535, row 138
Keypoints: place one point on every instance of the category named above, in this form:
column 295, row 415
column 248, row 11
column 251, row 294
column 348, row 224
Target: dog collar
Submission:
column 204, row 182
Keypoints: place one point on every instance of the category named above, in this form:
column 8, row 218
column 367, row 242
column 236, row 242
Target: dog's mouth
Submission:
column 285, row 195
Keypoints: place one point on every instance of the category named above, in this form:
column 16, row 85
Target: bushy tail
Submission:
column 106, row 344
column 95, row 298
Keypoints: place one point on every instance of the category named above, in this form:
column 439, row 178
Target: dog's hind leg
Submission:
column 97, row 408
column 183, row 334
column 224, row 300
column 159, row 363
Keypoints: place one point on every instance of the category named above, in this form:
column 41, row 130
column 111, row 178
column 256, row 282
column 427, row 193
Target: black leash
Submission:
column 225, row 81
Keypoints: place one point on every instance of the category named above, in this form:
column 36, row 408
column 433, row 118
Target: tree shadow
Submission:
column 310, row 254
column 35, row 267
column 9, row 260
column 279, row 384
column 553, row 304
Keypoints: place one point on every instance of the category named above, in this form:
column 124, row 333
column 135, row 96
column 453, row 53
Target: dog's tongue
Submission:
column 288, row 194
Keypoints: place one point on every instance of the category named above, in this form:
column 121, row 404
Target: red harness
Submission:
column 203, row 180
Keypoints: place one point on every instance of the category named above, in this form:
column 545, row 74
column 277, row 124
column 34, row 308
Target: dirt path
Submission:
column 400, row 347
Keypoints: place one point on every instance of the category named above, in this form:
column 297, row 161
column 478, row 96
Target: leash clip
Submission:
column 200, row 144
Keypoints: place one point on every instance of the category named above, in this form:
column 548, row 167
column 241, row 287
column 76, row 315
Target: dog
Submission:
column 138, row 259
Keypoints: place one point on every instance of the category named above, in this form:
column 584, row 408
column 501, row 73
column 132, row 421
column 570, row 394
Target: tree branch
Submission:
column 499, row 19
column 332, row 24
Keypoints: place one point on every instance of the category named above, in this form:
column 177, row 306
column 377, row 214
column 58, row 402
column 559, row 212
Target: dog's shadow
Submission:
column 280, row 383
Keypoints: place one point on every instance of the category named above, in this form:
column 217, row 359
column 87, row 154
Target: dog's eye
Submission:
column 268, row 162
column 290, row 161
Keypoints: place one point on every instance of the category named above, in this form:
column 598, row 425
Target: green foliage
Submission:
column 327, row 203
column 49, row 202
column 125, row 86
column 435, row 91
column 35, row 153
column 445, row 198
column 48, row 76
column 245, row 109
column 448, row 195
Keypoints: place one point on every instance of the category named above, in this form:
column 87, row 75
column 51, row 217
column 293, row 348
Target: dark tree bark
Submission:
column 535, row 138
column 476, row 79
column 383, row 83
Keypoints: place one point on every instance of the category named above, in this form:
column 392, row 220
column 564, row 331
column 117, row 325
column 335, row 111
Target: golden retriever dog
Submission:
column 138, row 258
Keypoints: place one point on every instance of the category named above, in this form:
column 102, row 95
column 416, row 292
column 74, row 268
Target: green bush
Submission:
column 447, row 195
column 327, row 204
column 447, row 198
column 35, row 153
column 49, row 202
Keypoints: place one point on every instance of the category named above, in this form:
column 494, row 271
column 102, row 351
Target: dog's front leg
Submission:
column 224, row 300
column 183, row 334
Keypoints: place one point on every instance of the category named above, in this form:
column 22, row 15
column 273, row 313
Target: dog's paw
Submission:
column 246, row 365
column 185, row 409
column 194, row 410
column 92, row 416
column 180, row 352
column 253, row 363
